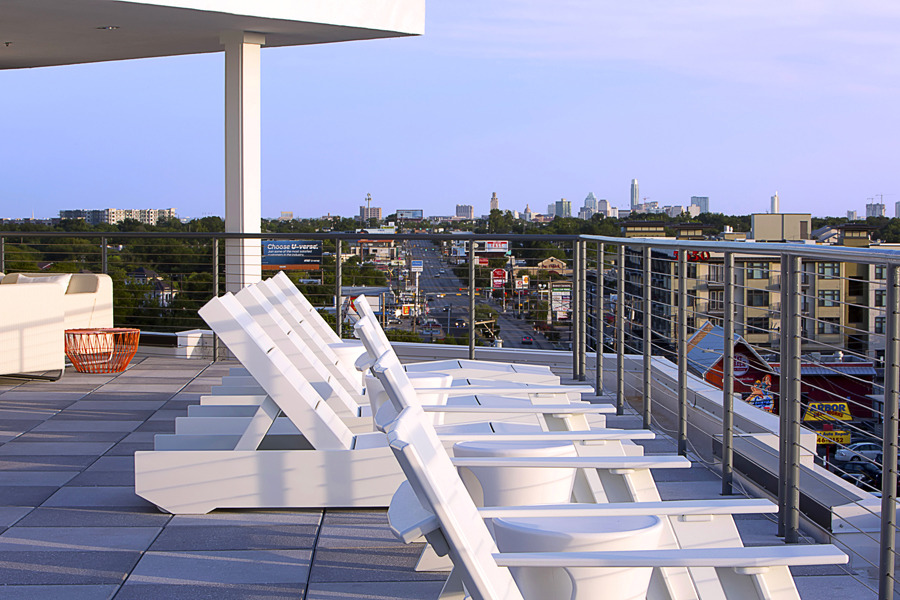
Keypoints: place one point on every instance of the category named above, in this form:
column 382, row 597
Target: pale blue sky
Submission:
column 531, row 99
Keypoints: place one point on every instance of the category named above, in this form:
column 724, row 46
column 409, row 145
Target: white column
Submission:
column 243, row 183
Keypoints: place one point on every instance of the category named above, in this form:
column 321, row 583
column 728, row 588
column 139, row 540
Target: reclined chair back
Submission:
column 268, row 365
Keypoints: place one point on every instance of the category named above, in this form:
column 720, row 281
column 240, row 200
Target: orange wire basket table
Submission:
column 101, row 350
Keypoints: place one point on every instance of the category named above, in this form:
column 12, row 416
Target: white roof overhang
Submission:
column 40, row 33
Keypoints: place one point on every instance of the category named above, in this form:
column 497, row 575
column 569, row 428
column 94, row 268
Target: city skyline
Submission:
column 690, row 98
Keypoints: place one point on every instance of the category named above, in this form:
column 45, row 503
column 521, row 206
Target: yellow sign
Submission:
column 833, row 437
column 828, row 411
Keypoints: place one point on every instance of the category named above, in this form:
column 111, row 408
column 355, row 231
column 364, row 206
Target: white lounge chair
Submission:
column 214, row 461
column 434, row 504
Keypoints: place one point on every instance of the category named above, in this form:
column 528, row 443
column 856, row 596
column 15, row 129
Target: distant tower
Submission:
column 775, row 208
column 495, row 202
column 853, row 216
column 527, row 214
column 591, row 202
column 897, row 210
column 702, row 202
column 635, row 195
column 563, row 208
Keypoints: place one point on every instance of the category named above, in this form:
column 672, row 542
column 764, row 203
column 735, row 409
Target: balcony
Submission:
column 67, row 444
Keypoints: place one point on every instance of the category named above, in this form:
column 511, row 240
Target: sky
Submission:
column 530, row 99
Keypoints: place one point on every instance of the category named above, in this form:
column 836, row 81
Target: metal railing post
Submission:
column 783, row 406
column 681, row 338
column 338, row 280
column 646, row 405
column 620, row 332
column 576, row 307
column 2, row 254
column 889, row 442
column 583, row 312
column 728, row 380
column 599, row 322
column 215, row 293
column 792, row 506
column 471, row 299
column 104, row 262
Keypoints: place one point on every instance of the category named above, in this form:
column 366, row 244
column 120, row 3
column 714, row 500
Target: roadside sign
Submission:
column 828, row 411
column 483, row 262
column 417, row 266
column 837, row 436
column 498, row 278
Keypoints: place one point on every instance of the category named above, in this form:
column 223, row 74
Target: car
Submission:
column 442, row 271
column 437, row 275
column 527, row 339
column 858, row 451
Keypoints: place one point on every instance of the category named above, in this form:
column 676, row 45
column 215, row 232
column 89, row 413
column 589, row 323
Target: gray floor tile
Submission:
column 357, row 535
column 45, row 462
column 10, row 514
column 72, row 436
column 81, row 568
column 104, row 478
column 17, row 448
column 96, row 497
column 212, row 591
column 87, row 425
column 244, row 537
column 112, row 463
column 686, row 490
column 117, row 403
column 831, row 586
column 128, row 448
column 57, row 592
column 245, row 566
column 78, row 539
column 166, row 425
column 228, row 518
column 49, row 478
column 26, row 495
column 15, row 427
column 94, row 517
column 374, row 516
column 695, row 473
column 74, row 414
column 361, row 564
column 374, row 590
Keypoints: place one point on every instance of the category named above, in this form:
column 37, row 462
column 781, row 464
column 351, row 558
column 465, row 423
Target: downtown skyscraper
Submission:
column 635, row 194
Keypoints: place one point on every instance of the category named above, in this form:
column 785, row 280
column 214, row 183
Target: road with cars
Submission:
column 450, row 304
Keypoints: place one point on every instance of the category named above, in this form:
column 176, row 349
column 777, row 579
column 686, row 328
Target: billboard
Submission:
column 291, row 254
column 561, row 300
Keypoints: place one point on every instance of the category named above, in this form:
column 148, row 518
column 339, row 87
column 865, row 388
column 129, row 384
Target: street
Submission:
column 451, row 300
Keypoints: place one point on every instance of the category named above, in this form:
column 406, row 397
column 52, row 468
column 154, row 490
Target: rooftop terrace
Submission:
column 71, row 526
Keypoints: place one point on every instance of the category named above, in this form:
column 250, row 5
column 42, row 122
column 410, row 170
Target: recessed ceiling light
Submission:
column 109, row 27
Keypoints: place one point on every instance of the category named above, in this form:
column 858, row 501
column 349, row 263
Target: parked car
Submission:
column 858, row 451
column 527, row 339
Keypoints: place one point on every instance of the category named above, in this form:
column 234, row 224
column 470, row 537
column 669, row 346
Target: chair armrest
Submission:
column 552, row 436
column 539, row 409
column 577, row 462
column 755, row 557
column 725, row 506
column 406, row 517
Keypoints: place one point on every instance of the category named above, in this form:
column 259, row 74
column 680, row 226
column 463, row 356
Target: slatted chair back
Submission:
column 303, row 357
column 315, row 320
column 281, row 380
column 333, row 356
column 440, row 491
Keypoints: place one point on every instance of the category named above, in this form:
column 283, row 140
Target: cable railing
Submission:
column 767, row 361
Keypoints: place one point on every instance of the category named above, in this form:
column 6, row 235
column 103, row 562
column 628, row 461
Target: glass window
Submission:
column 829, row 297
column 716, row 301
column 758, row 298
column 880, row 271
column 879, row 324
column 880, row 298
column 829, row 325
column 829, row 270
column 692, row 271
column 757, row 325
column 757, row 270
